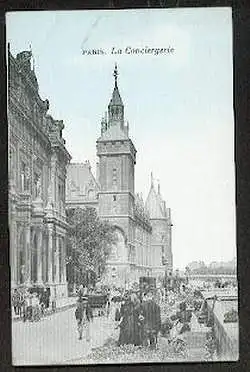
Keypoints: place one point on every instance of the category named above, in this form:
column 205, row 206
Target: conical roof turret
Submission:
column 154, row 202
column 115, row 107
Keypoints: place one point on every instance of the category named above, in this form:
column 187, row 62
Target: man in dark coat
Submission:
column 152, row 319
column 84, row 316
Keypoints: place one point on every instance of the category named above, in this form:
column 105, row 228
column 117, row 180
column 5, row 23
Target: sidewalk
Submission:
column 55, row 340
column 62, row 304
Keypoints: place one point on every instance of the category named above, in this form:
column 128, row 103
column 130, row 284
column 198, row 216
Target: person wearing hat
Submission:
column 84, row 316
column 151, row 319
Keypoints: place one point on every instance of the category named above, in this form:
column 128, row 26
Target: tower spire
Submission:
column 115, row 107
column 152, row 180
column 115, row 74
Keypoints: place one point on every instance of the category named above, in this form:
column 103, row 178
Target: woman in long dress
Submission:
column 130, row 323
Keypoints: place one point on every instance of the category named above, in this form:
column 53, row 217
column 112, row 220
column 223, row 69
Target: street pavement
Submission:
column 54, row 339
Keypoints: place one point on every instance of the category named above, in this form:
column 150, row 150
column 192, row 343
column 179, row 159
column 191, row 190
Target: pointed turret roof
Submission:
column 154, row 203
column 113, row 128
column 116, row 98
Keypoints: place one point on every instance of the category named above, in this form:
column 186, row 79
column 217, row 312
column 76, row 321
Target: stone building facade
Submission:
column 143, row 231
column 38, row 161
column 160, row 219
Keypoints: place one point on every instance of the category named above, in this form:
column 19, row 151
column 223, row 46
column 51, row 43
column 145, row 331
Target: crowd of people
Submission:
column 30, row 303
column 139, row 320
column 136, row 315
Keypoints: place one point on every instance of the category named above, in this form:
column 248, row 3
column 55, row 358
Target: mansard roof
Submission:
column 80, row 181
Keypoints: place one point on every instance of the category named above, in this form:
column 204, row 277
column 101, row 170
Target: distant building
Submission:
column 143, row 229
column 37, row 171
column 196, row 265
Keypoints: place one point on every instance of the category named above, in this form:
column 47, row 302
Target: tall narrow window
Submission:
column 36, row 181
column 114, row 177
column 10, row 163
column 23, row 176
column 59, row 192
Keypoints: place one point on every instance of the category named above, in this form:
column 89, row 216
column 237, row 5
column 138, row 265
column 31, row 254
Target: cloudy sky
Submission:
column 179, row 106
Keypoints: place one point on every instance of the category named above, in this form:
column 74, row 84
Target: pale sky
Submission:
column 179, row 106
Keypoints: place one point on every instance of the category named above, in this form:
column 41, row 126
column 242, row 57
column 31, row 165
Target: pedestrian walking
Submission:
column 42, row 301
column 27, row 307
column 108, row 304
column 84, row 316
column 21, row 302
column 15, row 301
column 151, row 320
column 129, row 321
column 36, row 315
column 47, row 298
column 138, row 320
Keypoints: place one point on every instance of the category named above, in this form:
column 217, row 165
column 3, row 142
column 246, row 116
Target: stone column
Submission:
column 39, row 255
column 53, row 178
column 50, row 254
column 64, row 276
column 13, row 251
column 44, row 258
column 27, row 240
column 57, row 260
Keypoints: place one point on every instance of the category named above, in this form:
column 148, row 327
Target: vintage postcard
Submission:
column 122, row 186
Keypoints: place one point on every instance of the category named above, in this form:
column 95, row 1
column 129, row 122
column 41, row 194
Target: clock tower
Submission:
column 117, row 158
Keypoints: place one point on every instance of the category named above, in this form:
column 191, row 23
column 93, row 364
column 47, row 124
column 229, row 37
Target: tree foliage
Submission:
column 89, row 239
